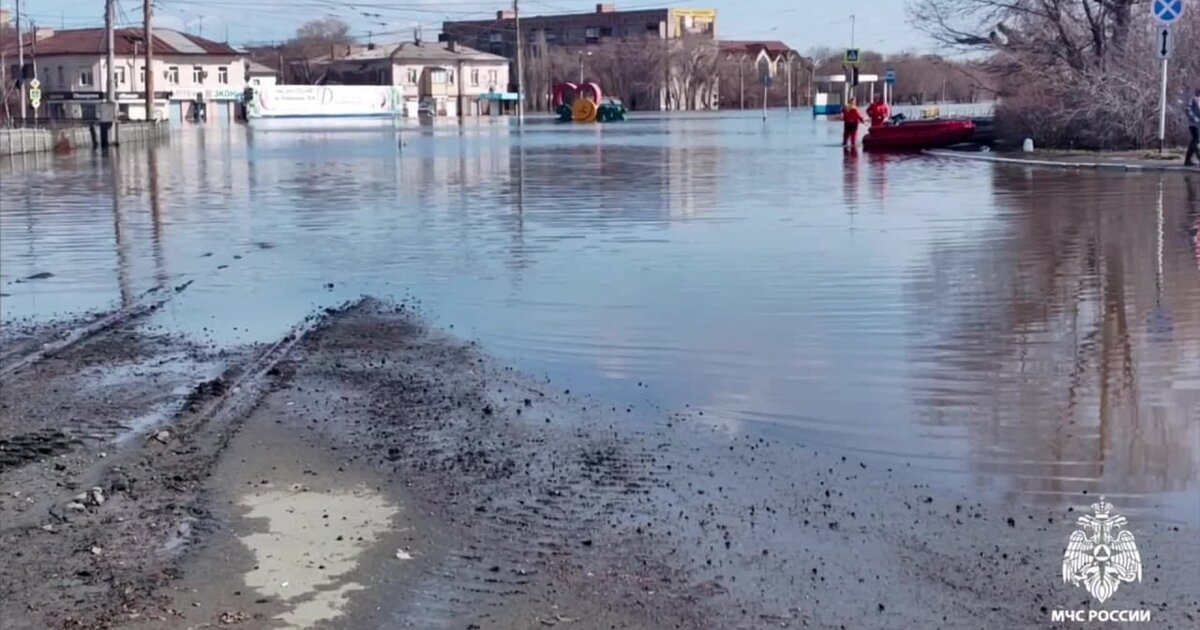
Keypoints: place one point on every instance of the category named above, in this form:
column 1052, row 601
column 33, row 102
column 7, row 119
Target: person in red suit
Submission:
column 879, row 112
column 851, row 119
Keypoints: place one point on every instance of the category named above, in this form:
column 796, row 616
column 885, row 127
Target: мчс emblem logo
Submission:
column 1102, row 553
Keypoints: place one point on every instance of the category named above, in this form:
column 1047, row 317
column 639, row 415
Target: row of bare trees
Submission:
column 921, row 78
column 647, row 73
column 694, row 73
column 1072, row 73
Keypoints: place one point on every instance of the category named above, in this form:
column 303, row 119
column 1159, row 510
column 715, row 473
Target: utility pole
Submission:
column 147, row 13
column 20, row 57
column 520, row 65
column 1162, row 110
column 789, row 80
column 110, row 92
column 5, row 77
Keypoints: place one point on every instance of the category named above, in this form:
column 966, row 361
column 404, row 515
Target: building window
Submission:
column 474, row 77
column 496, row 38
column 223, row 75
column 606, row 31
column 493, row 77
column 197, row 74
column 173, row 75
column 119, row 74
column 437, row 76
column 85, row 77
column 412, row 76
column 591, row 32
column 142, row 75
column 62, row 81
column 551, row 36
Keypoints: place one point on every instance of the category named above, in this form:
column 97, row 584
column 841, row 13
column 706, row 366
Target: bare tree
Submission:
column 8, row 79
column 1076, row 72
column 631, row 69
column 323, row 32
column 314, row 39
column 1078, row 33
column 691, row 73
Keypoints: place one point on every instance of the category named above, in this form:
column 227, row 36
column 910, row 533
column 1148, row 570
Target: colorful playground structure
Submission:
column 585, row 103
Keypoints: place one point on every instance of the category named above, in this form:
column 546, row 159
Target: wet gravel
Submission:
column 548, row 508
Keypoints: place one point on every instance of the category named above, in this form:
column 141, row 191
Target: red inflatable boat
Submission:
column 918, row 134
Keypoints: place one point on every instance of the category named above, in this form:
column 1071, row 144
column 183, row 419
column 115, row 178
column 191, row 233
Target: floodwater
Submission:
column 1035, row 333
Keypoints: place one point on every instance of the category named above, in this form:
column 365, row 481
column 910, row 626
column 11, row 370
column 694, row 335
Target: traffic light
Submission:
column 854, row 77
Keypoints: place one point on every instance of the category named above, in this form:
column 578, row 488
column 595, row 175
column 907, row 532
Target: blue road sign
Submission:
column 851, row 58
column 1167, row 11
column 889, row 77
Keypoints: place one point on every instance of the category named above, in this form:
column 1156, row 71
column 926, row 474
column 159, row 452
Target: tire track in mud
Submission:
column 153, row 506
column 24, row 448
column 535, row 508
column 22, row 357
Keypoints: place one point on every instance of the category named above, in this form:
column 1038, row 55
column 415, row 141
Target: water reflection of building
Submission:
column 1070, row 360
column 607, row 186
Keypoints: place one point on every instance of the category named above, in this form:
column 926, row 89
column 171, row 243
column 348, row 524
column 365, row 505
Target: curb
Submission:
column 1095, row 166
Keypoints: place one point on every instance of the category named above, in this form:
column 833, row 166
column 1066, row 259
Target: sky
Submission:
column 802, row 24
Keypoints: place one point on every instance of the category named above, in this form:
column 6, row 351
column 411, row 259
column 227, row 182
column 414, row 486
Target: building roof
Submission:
column 127, row 41
column 774, row 48
column 254, row 68
column 425, row 52
column 441, row 51
column 506, row 15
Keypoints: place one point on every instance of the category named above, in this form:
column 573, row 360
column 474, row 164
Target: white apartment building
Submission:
column 259, row 75
column 195, row 79
column 439, row 78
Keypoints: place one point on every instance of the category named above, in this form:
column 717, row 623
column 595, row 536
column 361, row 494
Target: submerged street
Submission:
column 682, row 371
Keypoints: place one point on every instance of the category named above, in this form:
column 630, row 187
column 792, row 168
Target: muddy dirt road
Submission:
column 367, row 471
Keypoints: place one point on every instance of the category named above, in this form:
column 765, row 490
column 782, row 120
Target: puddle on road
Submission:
column 312, row 541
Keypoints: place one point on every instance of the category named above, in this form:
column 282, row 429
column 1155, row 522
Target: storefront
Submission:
column 82, row 105
column 497, row 103
column 214, row 106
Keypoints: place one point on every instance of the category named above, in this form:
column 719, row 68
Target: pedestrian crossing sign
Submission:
column 851, row 58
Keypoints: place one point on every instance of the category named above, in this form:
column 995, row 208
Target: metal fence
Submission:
column 15, row 122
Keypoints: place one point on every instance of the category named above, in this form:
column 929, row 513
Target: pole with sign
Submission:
column 849, row 62
column 35, row 95
column 1167, row 12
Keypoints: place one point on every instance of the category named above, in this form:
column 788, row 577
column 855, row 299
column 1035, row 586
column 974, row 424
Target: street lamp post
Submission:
column 581, row 54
